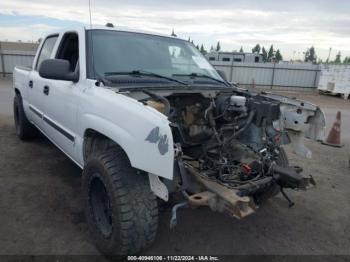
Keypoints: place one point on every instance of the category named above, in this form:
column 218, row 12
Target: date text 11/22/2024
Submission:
column 173, row 258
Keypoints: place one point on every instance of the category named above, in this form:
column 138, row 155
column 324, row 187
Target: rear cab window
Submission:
column 46, row 50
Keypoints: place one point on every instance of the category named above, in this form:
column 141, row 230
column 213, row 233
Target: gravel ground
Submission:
column 41, row 209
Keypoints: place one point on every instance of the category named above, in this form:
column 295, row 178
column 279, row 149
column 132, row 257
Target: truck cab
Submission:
column 145, row 116
column 42, row 97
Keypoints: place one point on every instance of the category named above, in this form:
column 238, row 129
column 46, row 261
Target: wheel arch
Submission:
column 92, row 136
column 132, row 138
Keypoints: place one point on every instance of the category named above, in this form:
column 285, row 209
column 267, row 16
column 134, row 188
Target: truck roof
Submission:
column 115, row 28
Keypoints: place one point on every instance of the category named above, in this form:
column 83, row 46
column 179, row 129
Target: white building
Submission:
column 235, row 57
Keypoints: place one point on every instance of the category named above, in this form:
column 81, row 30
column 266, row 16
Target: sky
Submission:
column 290, row 25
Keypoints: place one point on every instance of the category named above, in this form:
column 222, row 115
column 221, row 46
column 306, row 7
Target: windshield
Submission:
column 117, row 51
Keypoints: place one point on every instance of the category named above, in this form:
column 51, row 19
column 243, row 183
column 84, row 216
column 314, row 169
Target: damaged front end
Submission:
column 228, row 147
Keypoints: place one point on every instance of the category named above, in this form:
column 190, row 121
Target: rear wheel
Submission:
column 121, row 210
column 24, row 129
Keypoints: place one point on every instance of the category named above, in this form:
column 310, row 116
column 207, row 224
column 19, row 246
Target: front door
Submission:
column 61, row 98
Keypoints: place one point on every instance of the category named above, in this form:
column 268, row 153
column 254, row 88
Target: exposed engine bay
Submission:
column 228, row 149
column 231, row 137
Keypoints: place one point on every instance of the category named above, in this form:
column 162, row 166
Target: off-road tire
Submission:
column 24, row 129
column 133, row 209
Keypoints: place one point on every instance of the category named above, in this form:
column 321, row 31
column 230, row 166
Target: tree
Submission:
column 307, row 55
column 278, row 56
column 346, row 60
column 197, row 46
column 173, row 33
column 211, row 48
column 270, row 54
column 264, row 55
column 218, row 47
column 256, row 49
column 241, row 50
column 202, row 50
column 338, row 58
column 313, row 56
column 310, row 55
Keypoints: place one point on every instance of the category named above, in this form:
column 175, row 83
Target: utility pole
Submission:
column 2, row 62
column 90, row 14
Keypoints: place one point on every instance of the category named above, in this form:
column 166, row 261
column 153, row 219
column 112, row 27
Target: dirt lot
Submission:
column 41, row 209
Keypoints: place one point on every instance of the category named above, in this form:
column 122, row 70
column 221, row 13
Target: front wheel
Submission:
column 121, row 210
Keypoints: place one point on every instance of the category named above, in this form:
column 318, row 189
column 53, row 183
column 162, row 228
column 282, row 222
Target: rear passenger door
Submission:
column 61, row 99
column 36, row 83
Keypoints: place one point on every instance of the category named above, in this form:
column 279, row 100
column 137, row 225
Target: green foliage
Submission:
column 310, row 55
column 199, row 47
column 267, row 56
column 202, row 50
column 218, row 46
column 346, row 60
column 264, row 55
column 278, row 56
column 270, row 54
column 256, row 49
column 338, row 58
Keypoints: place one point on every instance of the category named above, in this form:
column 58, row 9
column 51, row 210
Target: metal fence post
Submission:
column 273, row 75
column 315, row 79
column 2, row 61
column 231, row 73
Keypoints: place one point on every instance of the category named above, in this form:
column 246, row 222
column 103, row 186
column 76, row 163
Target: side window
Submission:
column 69, row 50
column 46, row 50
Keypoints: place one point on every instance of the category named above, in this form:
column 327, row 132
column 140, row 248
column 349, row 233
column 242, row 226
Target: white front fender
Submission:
column 143, row 133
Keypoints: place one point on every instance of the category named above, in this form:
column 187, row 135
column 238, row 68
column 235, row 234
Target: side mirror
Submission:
column 58, row 69
column 222, row 74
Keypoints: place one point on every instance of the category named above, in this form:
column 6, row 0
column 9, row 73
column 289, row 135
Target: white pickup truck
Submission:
column 145, row 115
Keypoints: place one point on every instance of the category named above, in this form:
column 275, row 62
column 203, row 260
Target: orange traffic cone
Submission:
column 333, row 138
